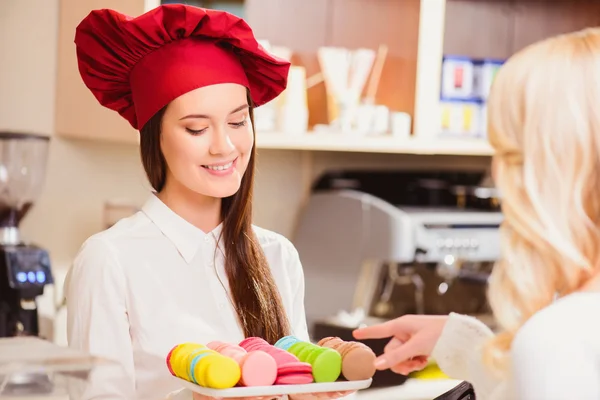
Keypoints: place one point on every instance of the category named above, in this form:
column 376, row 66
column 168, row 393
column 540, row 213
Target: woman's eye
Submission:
column 195, row 132
column 238, row 124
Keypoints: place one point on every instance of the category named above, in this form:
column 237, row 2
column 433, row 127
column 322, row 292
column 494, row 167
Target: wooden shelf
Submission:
column 417, row 32
column 340, row 142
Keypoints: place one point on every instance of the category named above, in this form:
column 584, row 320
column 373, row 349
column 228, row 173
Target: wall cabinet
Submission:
column 417, row 32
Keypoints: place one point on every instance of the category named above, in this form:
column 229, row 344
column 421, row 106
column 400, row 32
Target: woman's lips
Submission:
column 221, row 169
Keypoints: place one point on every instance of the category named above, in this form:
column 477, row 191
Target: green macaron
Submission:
column 326, row 364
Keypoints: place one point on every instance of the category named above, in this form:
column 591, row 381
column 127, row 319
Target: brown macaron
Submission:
column 357, row 358
column 329, row 341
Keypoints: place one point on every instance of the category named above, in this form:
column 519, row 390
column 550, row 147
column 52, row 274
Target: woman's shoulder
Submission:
column 281, row 254
column 100, row 250
column 555, row 354
column 274, row 243
column 96, row 262
column 569, row 319
column 268, row 238
column 127, row 227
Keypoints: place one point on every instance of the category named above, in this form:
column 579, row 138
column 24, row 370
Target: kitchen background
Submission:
column 423, row 70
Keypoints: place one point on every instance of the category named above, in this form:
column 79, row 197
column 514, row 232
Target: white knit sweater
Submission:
column 555, row 355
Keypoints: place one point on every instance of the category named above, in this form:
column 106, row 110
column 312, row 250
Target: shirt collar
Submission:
column 186, row 237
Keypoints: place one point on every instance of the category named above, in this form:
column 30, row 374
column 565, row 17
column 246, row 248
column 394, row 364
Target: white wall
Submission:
column 28, row 46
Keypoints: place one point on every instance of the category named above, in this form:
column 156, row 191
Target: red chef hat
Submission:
column 136, row 66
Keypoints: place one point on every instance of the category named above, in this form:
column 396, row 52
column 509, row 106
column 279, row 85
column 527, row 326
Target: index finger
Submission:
column 394, row 327
column 378, row 331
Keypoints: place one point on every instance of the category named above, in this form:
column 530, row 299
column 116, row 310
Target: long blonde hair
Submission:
column 544, row 125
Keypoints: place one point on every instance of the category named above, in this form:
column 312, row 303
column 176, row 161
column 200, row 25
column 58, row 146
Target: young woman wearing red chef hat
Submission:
column 190, row 266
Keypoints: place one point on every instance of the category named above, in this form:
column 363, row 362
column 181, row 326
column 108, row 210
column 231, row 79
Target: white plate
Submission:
column 274, row 390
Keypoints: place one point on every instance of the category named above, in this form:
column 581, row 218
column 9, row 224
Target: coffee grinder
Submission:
column 24, row 267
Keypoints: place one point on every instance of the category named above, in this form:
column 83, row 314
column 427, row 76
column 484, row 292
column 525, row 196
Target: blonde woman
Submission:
column 544, row 124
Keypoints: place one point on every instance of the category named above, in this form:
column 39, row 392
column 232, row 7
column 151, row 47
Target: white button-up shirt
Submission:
column 152, row 281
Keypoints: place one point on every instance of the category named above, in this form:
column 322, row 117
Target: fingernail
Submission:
column 380, row 363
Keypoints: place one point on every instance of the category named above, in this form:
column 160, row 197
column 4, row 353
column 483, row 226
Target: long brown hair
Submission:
column 255, row 296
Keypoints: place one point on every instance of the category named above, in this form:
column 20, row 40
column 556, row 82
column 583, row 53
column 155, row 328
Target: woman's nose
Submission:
column 221, row 143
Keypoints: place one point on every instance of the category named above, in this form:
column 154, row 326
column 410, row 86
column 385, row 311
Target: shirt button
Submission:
column 221, row 306
column 206, row 239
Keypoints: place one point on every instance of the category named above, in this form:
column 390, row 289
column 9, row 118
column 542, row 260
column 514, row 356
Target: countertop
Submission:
column 412, row 389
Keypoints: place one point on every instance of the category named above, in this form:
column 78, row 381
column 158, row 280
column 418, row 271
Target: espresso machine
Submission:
column 376, row 245
column 24, row 267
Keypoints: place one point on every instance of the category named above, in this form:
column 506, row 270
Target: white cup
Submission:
column 400, row 122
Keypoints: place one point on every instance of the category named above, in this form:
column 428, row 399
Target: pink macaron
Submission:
column 257, row 367
column 169, row 361
column 294, row 374
column 290, row 371
column 282, row 357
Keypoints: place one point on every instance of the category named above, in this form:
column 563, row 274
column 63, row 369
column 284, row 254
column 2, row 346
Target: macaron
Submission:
column 221, row 372
column 178, row 356
column 281, row 356
column 191, row 367
column 289, row 369
column 258, row 368
column 326, row 363
column 358, row 360
column 330, row 340
column 197, row 364
column 252, row 341
column 178, row 360
column 295, row 374
column 203, row 366
column 168, row 359
column 286, row 342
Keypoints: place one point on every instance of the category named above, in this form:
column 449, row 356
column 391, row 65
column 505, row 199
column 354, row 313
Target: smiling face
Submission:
column 207, row 139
